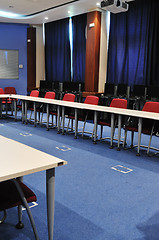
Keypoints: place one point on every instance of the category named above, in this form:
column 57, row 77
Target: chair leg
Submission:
column 20, row 225
column 148, row 150
column 12, row 108
column 132, row 139
column 56, row 120
column 101, row 131
column 39, row 117
column 71, row 124
column 68, row 125
column 41, row 120
column 84, row 125
column 125, row 137
column 30, row 116
column 52, row 119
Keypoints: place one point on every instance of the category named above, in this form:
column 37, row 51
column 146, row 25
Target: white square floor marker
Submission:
column 122, row 169
column 25, row 134
column 63, row 148
column 31, row 205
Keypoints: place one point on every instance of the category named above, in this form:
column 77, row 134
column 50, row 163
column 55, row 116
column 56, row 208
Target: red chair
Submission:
column 10, row 90
column 3, row 102
column 2, row 92
column 34, row 93
column 84, row 115
column 67, row 97
column 93, row 100
column 149, row 127
column 115, row 103
column 11, row 196
column 42, row 109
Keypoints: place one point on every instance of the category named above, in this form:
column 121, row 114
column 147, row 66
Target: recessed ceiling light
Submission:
column 98, row 4
column 46, row 18
column 69, row 12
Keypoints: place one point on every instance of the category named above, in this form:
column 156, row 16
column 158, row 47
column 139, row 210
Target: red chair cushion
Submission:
column 92, row 100
column 9, row 196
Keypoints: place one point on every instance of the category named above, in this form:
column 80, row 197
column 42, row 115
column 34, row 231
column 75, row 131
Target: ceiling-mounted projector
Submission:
column 114, row 6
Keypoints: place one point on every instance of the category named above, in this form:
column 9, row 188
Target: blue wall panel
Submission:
column 14, row 36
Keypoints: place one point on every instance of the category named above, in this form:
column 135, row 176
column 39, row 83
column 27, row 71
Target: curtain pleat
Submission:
column 133, row 45
column 57, row 51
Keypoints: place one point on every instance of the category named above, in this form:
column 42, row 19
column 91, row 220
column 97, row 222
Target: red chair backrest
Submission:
column 34, row 93
column 50, row 95
column 10, row 90
column 151, row 107
column 69, row 97
column 92, row 100
column 119, row 103
column 1, row 91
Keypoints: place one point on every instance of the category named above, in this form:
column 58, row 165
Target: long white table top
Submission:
column 5, row 95
column 127, row 112
column 18, row 160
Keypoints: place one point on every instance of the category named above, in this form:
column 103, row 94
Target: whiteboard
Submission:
column 9, row 64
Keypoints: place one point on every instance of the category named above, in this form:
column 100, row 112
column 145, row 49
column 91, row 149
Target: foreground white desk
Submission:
column 21, row 160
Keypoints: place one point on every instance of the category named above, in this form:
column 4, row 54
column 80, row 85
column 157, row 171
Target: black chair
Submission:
column 109, row 89
column 45, row 86
column 56, row 89
column 109, row 94
column 138, row 97
column 153, row 93
column 123, row 91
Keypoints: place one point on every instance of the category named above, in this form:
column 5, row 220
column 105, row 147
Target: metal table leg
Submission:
column 58, row 119
column 47, row 112
column 50, row 191
column 112, row 130
column 1, row 107
column 63, row 120
column 35, row 114
column 119, row 131
column 26, row 106
column 23, row 111
column 15, row 109
column 95, row 127
column 76, row 122
column 139, row 136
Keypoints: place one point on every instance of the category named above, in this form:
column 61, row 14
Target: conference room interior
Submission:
column 107, row 190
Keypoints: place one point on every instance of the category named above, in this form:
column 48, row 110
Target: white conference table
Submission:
column 5, row 97
column 96, row 108
column 21, row 160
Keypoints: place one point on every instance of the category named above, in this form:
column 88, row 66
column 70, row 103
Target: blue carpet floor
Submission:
column 93, row 200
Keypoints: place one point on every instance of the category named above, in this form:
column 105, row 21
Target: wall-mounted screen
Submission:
column 9, row 64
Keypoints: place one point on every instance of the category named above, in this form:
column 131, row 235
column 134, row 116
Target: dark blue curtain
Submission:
column 133, row 45
column 57, row 51
column 79, row 47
